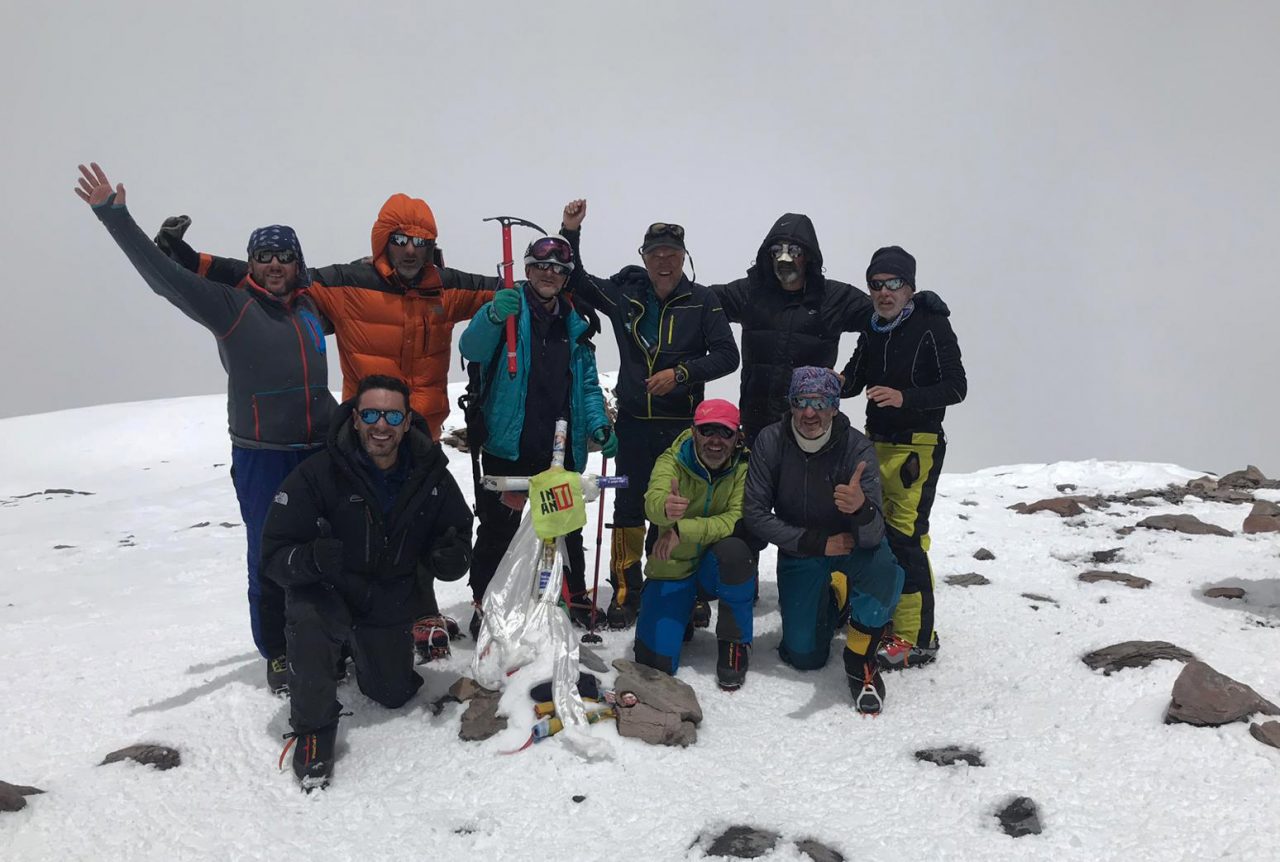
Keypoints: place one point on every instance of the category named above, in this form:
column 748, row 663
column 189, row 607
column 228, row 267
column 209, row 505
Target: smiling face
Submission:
column 811, row 420
column 381, row 441
column 665, row 266
column 713, row 446
column 889, row 303
column 546, row 281
column 273, row 276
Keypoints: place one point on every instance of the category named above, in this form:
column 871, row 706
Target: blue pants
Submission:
column 257, row 474
column 809, row 612
column 727, row 571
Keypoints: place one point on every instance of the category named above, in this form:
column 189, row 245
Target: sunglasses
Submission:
column 724, row 432
column 893, row 284
column 548, row 266
column 790, row 248
column 661, row 228
column 265, row 255
column 550, row 248
column 818, row 402
column 369, row 416
column 403, row 239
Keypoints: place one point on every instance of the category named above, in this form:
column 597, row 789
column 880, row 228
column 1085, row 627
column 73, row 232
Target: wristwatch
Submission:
column 682, row 376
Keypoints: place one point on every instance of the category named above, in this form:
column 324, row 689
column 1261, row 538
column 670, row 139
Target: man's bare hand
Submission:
column 95, row 189
column 850, row 498
column 666, row 544
column 574, row 212
column 839, row 544
column 661, row 383
column 675, row 505
column 883, row 396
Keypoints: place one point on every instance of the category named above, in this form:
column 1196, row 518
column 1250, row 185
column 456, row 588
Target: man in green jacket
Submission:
column 695, row 499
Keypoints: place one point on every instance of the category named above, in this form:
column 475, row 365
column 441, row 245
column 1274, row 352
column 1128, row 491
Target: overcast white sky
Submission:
column 1092, row 187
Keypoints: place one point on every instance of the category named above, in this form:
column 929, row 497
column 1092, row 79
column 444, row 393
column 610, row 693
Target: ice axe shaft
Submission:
column 508, row 278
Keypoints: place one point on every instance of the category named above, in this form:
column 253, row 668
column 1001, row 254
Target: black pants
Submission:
column 498, row 525
column 640, row 442
column 317, row 624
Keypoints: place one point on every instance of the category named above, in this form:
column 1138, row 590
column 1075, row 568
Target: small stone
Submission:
column 1250, row 477
column 1036, row 597
column 578, row 797
column 1267, row 731
column 983, row 554
column 1063, row 507
column 1106, row 557
column 1066, row 488
column 12, row 796
column 972, row 579
column 481, row 719
column 1263, row 518
column 819, row 852
column 62, row 547
column 1019, row 818
column 1224, row 593
column 1189, row 524
column 1134, row 654
column 1132, row 581
column 160, row 756
column 1204, row 697
column 950, row 755
column 968, row 502
column 743, row 842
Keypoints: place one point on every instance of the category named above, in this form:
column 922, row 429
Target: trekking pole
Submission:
column 508, row 278
column 591, row 637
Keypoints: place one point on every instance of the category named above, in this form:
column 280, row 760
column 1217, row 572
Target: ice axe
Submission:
column 508, row 278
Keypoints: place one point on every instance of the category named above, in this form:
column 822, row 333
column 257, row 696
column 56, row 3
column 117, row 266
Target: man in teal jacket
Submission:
column 555, row 379
column 695, row 499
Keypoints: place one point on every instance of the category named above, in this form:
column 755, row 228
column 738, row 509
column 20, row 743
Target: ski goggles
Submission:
column 790, row 249
column 266, row 255
column 403, row 239
column 369, row 416
column 549, row 266
column 814, row 402
column 552, row 249
column 724, row 432
column 890, row 284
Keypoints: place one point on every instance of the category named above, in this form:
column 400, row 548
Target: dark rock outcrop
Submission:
column 1134, row 654
column 1204, row 697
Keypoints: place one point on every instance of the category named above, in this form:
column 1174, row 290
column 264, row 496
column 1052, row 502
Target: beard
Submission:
column 786, row 271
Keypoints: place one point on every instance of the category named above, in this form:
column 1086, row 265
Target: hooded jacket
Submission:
column 272, row 348
column 783, row 330
column 715, row 504
column 383, row 325
column 331, row 495
column 693, row 335
column 506, row 396
column 789, row 498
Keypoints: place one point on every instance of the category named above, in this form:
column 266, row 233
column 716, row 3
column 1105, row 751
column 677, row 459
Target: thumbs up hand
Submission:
column 675, row 505
column 849, row 498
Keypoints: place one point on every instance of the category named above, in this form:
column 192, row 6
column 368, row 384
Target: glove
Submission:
column 608, row 441
column 450, row 556
column 174, row 228
column 930, row 301
column 505, row 303
column 326, row 558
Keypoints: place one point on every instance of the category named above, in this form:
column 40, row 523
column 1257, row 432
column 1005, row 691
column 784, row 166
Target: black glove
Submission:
column 326, row 559
column 930, row 301
column 174, row 228
column 449, row 557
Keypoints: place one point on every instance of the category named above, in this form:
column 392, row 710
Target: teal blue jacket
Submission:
column 504, row 400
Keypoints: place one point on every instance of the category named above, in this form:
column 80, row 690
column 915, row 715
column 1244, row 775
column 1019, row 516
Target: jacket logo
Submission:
column 435, row 492
column 554, row 499
column 281, row 497
column 355, row 498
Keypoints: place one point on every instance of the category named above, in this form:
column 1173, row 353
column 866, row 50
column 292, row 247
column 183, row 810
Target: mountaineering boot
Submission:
column 431, row 637
column 896, row 653
column 477, row 616
column 278, row 674
column 863, row 671
column 701, row 614
column 625, row 576
column 578, row 606
column 313, row 757
column 731, row 665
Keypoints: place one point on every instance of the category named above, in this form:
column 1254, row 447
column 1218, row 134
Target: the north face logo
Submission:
column 282, row 498
column 555, row 499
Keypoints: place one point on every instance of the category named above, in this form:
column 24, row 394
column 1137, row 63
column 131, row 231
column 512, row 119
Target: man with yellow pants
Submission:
column 908, row 360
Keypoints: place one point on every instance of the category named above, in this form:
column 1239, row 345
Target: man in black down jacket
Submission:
column 672, row 338
column 813, row 489
column 355, row 535
column 792, row 315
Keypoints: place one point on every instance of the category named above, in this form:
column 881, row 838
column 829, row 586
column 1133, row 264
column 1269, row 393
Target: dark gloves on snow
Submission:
column 174, row 228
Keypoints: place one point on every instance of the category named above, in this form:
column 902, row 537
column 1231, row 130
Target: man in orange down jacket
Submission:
column 393, row 315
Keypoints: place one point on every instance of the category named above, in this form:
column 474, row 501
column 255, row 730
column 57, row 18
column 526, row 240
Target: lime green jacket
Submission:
column 715, row 505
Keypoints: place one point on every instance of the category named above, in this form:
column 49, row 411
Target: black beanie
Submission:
column 895, row 260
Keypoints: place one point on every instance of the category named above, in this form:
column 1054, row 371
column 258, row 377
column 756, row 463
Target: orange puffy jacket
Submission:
column 383, row 325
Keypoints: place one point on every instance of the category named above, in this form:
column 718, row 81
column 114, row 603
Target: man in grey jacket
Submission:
column 271, row 342
column 834, row 562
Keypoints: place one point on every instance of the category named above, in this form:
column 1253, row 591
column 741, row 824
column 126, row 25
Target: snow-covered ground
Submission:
column 136, row 630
